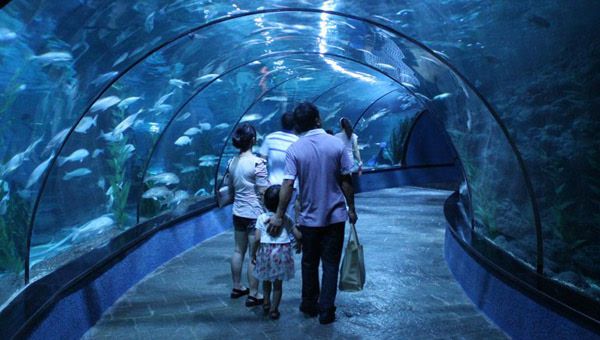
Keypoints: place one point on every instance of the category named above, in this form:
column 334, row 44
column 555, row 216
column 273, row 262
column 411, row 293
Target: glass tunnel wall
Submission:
column 151, row 141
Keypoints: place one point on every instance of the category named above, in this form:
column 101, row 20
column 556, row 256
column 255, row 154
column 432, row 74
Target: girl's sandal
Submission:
column 266, row 308
column 274, row 315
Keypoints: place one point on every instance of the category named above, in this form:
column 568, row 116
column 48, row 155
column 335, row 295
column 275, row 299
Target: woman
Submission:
column 350, row 140
column 248, row 178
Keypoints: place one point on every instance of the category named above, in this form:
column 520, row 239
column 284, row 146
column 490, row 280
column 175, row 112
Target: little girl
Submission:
column 273, row 257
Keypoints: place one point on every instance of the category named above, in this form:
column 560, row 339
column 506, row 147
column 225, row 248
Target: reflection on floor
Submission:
column 410, row 292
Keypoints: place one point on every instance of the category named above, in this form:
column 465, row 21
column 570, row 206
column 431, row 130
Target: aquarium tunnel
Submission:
column 117, row 120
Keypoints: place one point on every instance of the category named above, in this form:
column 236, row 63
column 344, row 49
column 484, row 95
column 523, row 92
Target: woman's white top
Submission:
column 348, row 143
column 284, row 237
column 247, row 174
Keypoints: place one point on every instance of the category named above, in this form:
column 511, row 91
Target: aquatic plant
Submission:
column 398, row 138
column 13, row 234
column 119, row 152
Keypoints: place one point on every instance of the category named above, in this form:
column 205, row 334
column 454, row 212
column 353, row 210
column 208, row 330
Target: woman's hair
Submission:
column 271, row 198
column 243, row 137
column 347, row 126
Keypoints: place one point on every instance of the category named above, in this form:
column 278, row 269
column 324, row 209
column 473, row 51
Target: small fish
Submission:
column 442, row 96
column 365, row 51
column 251, row 117
column 378, row 114
column 101, row 183
column 93, row 227
column 124, row 104
column 85, row 124
column 110, row 137
column 305, row 78
column 201, row 192
column 38, row 171
column 105, row 103
column 178, row 83
column 183, row 140
column 409, row 85
column 222, row 126
column 163, row 98
column 7, row 35
column 189, row 168
column 192, row 131
column 275, row 99
column 158, row 193
column 77, row 173
column 204, row 126
column 120, row 59
column 166, row 178
column 162, row 108
column 405, row 11
column 126, row 123
column 179, row 196
column 58, row 139
column 268, row 117
column 76, row 156
column 183, row 117
column 387, row 66
column 149, row 23
column 207, row 158
column 17, row 160
column 105, row 77
column 53, row 57
column 205, row 78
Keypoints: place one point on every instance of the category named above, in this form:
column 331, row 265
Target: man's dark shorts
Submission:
column 244, row 224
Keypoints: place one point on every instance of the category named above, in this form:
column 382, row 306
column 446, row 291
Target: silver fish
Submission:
column 149, row 23
column 204, row 126
column 275, row 99
column 85, row 124
column 162, row 108
column 205, row 78
column 158, row 193
column 251, row 117
column 192, row 131
column 53, row 57
column 101, row 183
column 183, row 117
column 166, row 178
column 178, row 83
column 105, row 103
column 93, row 227
column 77, row 173
column 189, row 168
column 179, row 196
column 7, row 35
column 442, row 96
column 387, row 66
column 58, row 139
column 208, row 158
column 105, row 77
column 38, row 171
column 17, row 160
column 126, row 123
column 183, row 140
column 378, row 114
column 124, row 104
column 110, row 137
column 120, row 59
column 164, row 98
column 268, row 117
column 222, row 126
column 78, row 155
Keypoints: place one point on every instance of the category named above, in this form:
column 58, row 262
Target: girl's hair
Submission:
column 243, row 136
column 271, row 198
column 347, row 126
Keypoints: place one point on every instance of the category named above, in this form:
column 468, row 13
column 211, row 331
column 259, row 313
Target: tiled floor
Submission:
column 410, row 293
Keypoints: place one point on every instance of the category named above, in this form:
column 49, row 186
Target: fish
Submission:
column 163, row 98
column 101, row 183
column 157, row 193
column 162, row 108
column 103, row 78
column 124, row 104
column 201, row 192
column 17, row 160
column 204, row 126
column 128, row 148
column 93, row 227
column 77, row 173
column 183, row 140
column 149, row 22
column 126, row 123
column 85, row 124
column 405, row 11
column 77, row 155
column 183, row 117
column 57, row 139
column 364, row 51
column 408, row 85
column 120, row 59
column 166, row 178
column 378, row 114
column 7, row 35
column 178, row 83
column 105, row 103
column 442, row 96
column 422, row 96
column 251, row 117
column 192, row 131
column 275, row 99
column 110, row 137
column 53, row 57
column 222, row 126
column 268, row 117
column 208, row 158
column 205, row 78
column 189, row 168
column 179, row 196
column 387, row 66
column 305, row 78
column 38, row 171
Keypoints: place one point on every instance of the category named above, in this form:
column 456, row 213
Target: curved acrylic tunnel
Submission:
column 142, row 103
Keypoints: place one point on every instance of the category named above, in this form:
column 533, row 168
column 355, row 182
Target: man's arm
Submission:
column 348, row 190
column 285, row 196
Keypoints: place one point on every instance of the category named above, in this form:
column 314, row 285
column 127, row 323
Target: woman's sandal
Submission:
column 266, row 308
column 253, row 301
column 238, row 293
column 274, row 315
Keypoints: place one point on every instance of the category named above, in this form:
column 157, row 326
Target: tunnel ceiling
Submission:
column 111, row 100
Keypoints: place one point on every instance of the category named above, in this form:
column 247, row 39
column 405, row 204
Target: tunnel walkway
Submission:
column 410, row 293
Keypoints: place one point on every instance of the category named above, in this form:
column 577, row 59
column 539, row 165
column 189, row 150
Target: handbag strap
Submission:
column 225, row 174
column 353, row 233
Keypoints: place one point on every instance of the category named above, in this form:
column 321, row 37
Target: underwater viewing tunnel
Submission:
column 117, row 120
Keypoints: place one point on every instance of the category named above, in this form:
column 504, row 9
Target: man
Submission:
column 275, row 145
column 318, row 160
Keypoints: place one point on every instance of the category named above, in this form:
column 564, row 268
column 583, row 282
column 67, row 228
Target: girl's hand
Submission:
column 253, row 261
